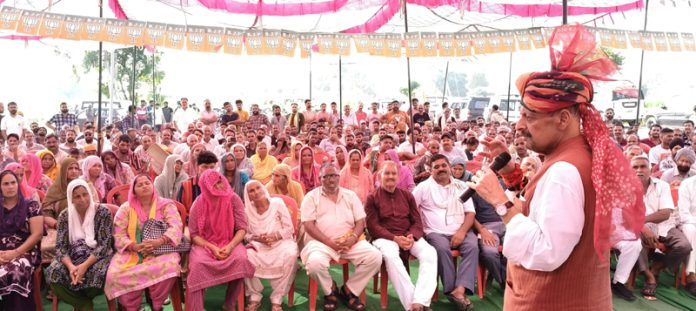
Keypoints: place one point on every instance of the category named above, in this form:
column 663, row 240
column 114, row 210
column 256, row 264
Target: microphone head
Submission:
column 500, row 161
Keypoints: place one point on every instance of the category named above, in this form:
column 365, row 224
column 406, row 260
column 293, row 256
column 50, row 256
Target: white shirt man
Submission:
column 12, row 123
column 447, row 224
column 184, row 116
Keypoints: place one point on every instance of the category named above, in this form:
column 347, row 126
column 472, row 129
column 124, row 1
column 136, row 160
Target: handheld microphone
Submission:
column 498, row 163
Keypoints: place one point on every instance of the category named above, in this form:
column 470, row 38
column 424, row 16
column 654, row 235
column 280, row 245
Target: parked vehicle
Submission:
column 87, row 110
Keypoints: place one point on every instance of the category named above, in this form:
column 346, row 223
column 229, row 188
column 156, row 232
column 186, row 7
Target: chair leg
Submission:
column 176, row 295
column 291, row 295
column 111, row 304
column 240, row 299
column 683, row 275
column 312, row 294
column 36, row 288
column 54, row 304
column 375, row 280
column 383, row 295
column 481, row 280
column 632, row 279
column 346, row 271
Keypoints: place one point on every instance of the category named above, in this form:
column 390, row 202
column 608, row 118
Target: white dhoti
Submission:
column 689, row 231
column 317, row 257
column 409, row 294
column 630, row 251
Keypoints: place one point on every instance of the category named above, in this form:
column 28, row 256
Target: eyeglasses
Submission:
column 330, row 176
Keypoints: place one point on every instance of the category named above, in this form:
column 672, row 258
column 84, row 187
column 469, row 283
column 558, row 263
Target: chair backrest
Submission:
column 113, row 208
column 118, row 195
column 182, row 212
column 292, row 208
column 675, row 195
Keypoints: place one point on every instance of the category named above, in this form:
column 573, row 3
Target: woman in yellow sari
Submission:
column 50, row 167
column 263, row 163
column 282, row 183
column 293, row 160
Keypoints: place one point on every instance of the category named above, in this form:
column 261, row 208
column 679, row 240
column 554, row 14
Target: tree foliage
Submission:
column 615, row 56
column 414, row 85
column 123, row 75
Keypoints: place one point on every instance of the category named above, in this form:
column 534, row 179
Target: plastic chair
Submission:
column 118, row 195
column 675, row 195
column 482, row 275
column 313, row 285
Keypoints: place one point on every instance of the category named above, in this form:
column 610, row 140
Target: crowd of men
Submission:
column 438, row 153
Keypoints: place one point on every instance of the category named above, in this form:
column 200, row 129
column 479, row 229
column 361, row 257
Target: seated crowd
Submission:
column 237, row 198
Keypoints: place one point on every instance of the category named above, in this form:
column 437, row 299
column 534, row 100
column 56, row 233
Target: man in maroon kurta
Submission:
column 395, row 226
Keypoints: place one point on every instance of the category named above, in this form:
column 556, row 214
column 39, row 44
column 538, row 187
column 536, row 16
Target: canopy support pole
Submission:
column 340, row 87
column 408, row 72
column 507, row 117
column 99, row 89
column 642, row 56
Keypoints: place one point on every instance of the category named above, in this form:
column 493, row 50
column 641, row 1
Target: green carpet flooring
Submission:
column 669, row 298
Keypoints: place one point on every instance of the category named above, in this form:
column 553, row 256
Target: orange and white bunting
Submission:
column 29, row 23
column 234, row 40
column 9, row 18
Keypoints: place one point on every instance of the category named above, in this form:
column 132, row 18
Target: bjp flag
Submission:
column 429, row 46
column 175, row 37
column 155, row 34
column 9, row 18
column 646, row 41
column 270, row 45
column 306, row 40
column 214, row 38
column 674, row 42
column 93, row 29
column 688, row 41
column 51, row 25
column 234, row 38
column 30, row 22
column 288, row 43
column 116, row 31
column 342, row 44
column 195, row 37
column 660, row 39
column 619, row 37
column 377, row 42
column 392, row 46
column 253, row 41
column 72, row 28
column 362, row 43
column 327, row 43
column 136, row 32
column 413, row 44
column 462, row 44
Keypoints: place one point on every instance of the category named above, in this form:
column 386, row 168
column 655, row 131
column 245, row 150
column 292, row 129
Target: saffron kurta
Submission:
column 152, row 270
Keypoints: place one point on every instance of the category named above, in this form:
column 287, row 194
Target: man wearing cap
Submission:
column 683, row 169
column 558, row 236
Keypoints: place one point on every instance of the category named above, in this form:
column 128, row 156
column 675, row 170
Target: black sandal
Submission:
column 691, row 288
column 463, row 304
column 350, row 300
column 331, row 300
column 649, row 291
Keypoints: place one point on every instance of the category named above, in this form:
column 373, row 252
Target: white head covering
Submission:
column 85, row 230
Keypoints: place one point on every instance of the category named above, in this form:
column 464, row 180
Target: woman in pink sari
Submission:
column 33, row 173
column 307, row 173
column 217, row 224
column 355, row 176
column 137, row 264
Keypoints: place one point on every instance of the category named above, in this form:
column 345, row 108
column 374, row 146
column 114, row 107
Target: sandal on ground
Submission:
column 463, row 304
column 276, row 307
column 331, row 300
column 350, row 300
column 253, row 306
column 649, row 291
column 691, row 288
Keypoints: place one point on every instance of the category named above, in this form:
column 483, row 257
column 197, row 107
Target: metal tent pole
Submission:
column 507, row 117
column 642, row 56
column 408, row 71
column 340, row 87
column 99, row 89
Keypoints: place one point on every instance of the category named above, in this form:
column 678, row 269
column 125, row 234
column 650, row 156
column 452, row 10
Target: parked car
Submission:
column 668, row 116
column 87, row 110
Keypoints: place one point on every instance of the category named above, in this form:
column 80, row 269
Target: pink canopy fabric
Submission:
column 387, row 9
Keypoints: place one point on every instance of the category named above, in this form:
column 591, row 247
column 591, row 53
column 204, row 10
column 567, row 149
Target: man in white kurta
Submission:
column 334, row 220
column 447, row 223
column 687, row 219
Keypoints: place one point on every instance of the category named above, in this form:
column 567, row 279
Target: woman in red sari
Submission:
column 307, row 173
column 218, row 225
